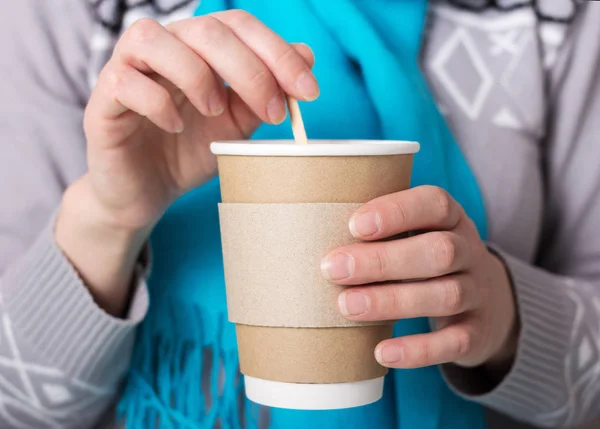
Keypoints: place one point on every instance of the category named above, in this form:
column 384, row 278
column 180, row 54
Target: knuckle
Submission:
column 288, row 54
column 238, row 17
column 453, row 296
column 380, row 262
column 262, row 83
column 443, row 202
column 444, row 250
column 399, row 212
column 387, row 306
column 464, row 342
column 206, row 28
column 144, row 30
column 424, row 353
column 261, row 78
column 114, row 79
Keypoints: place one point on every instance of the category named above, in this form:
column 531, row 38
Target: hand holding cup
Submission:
column 446, row 273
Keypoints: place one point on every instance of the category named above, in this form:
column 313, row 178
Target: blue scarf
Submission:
column 184, row 372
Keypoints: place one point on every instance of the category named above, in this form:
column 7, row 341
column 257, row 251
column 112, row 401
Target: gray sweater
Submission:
column 520, row 86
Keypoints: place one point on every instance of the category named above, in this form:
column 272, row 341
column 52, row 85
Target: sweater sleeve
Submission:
column 62, row 358
column 555, row 378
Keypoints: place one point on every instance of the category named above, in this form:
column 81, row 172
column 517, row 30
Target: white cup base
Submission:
column 303, row 396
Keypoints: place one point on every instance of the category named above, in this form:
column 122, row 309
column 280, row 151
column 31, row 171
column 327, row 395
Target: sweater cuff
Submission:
column 532, row 385
column 53, row 312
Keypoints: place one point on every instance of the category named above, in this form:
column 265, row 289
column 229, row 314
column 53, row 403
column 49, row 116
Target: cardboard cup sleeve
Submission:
column 272, row 255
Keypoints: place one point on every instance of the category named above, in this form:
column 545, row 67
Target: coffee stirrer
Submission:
column 297, row 122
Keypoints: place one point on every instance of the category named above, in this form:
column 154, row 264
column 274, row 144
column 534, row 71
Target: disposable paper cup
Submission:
column 297, row 351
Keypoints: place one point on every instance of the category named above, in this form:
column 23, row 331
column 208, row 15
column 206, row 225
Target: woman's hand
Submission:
column 160, row 101
column 158, row 104
column 446, row 273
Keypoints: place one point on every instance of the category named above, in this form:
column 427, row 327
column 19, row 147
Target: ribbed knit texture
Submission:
column 52, row 310
column 535, row 381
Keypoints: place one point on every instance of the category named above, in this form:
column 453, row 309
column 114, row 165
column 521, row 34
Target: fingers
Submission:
column 420, row 208
column 454, row 343
column 429, row 255
column 288, row 66
column 444, row 296
column 197, row 55
column 235, row 63
column 306, row 52
column 121, row 88
column 238, row 65
column 149, row 47
column 244, row 117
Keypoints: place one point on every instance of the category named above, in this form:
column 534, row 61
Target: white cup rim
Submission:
column 314, row 148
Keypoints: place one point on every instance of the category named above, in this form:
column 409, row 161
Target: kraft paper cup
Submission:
column 295, row 350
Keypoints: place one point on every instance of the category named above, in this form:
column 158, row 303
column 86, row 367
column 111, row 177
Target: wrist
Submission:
column 85, row 215
column 502, row 359
column 102, row 251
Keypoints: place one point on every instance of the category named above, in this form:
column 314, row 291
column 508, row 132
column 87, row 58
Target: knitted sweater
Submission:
column 519, row 84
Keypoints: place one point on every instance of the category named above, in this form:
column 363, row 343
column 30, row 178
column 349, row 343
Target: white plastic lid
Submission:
column 315, row 148
column 300, row 396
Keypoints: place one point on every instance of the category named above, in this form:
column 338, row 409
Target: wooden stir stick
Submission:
column 297, row 122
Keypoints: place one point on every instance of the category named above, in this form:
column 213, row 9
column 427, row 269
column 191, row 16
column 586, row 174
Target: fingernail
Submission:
column 353, row 303
column 276, row 110
column 365, row 224
column 307, row 86
column 215, row 105
column 337, row 267
column 388, row 354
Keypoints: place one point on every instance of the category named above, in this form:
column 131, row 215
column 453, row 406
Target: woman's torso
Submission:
column 488, row 69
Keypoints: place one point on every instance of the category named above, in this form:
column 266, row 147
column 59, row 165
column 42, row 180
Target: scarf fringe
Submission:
column 167, row 389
